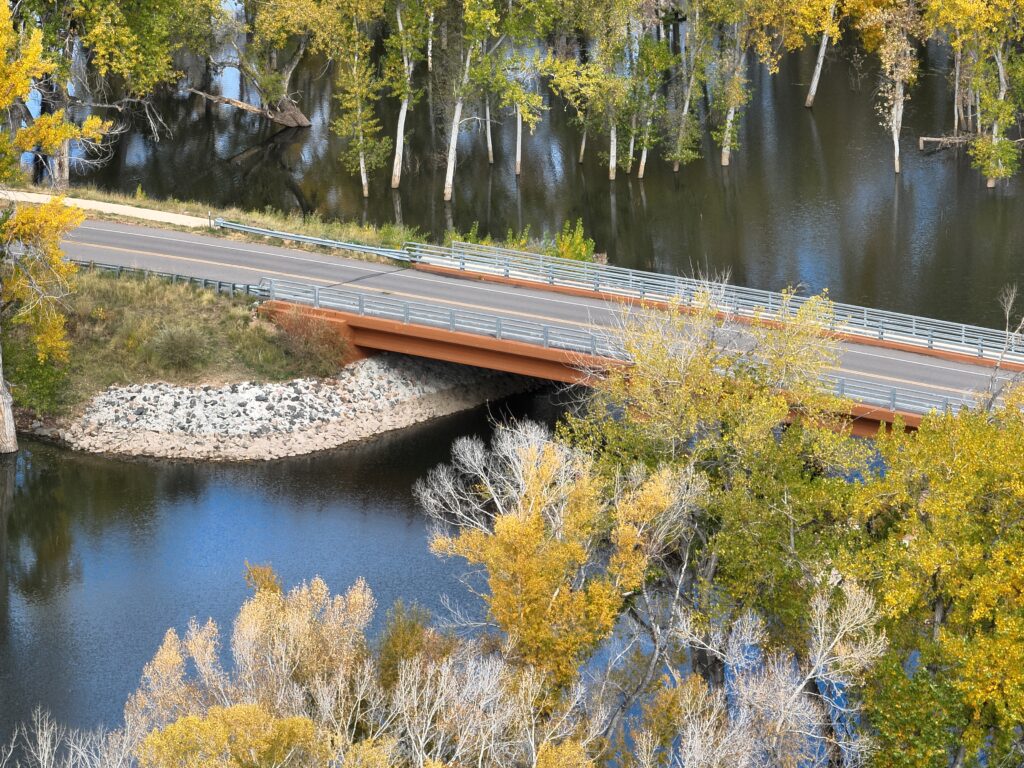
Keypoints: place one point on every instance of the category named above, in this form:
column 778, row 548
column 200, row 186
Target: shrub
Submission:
column 178, row 348
column 572, row 243
column 314, row 343
column 40, row 386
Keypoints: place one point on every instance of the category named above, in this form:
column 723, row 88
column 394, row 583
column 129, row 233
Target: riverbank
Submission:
column 249, row 421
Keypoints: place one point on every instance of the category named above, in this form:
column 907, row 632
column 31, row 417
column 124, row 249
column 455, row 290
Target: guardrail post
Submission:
column 273, row 289
column 545, row 335
column 451, row 320
column 841, row 387
column 593, row 345
column 881, row 329
column 981, row 350
column 405, row 314
column 931, row 340
column 497, row 327
column 892, row 400
column 316, row 296
column 361, row 305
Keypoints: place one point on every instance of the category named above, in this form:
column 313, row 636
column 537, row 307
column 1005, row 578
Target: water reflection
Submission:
column 809, row 199
column 100, row 557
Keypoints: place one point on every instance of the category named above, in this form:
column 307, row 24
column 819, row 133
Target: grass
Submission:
column 130, row 330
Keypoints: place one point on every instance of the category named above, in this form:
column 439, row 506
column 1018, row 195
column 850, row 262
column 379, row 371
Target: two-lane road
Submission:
column 229, row 260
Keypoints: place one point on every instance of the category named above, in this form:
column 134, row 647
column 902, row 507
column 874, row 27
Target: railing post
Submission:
column 361, row 305
column 497, row 327
column 892, row 400
column 931, row 340
column 841, row 387
column 405, row 314
column 316, row 296
column 545, row 336
column 593, row 345
column 981, row 350
column 273, row 289
column 451, row 320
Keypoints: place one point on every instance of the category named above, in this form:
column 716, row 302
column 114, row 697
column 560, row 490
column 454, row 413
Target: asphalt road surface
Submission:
column 218, row 258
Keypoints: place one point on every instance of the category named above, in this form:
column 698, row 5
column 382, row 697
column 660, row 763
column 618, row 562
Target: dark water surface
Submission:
column 810, row 198
column 98, row 558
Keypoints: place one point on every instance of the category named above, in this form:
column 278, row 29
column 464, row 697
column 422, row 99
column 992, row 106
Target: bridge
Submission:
column 545, row 317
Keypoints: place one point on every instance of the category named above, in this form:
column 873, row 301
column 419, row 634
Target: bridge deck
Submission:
column 217, row 258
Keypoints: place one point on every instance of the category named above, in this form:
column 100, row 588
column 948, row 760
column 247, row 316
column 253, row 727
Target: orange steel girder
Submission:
column 371, row 334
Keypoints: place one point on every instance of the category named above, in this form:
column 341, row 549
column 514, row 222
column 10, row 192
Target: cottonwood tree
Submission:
column 266, row 41
column 894, row 28
column 405, row 48
column 103, row 57
column 34, row 276
column 682, row 124
column 941, row 542
column 351, row 23
column 479, row 23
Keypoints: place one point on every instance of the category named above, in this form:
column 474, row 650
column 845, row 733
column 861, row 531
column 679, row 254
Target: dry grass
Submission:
column 129, row 330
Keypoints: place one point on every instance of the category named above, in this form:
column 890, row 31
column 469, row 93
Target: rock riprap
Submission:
column 246, row 421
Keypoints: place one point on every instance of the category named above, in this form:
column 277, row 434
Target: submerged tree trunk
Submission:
column 8, row 436
column 632, row 145
column 487, row 129
column 583, row 145
column 453, row 138
column 1003, row 87
column 285, row 112
column 957, row 108
column 730, row 116
column 896, row 123
column 519, row 140
column 612, row 147
column 430, row 42
column 643, row 152
column 813, row 90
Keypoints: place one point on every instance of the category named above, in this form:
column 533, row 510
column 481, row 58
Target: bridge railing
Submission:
column 985, row 343
column 220, row 286
column 851, row 319
column 599, row 343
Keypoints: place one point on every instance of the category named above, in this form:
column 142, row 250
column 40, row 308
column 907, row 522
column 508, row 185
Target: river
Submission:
column 810, row 198
column 98, row 558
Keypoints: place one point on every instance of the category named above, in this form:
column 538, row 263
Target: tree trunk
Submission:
column 487, row 129
column 1003, row 87
column 632, row 145
column 362, row 174
column 583, row 145
column 8, row 436
column 896, row 124
column 519, row 140
column 727, row 142
column 283, row 113
column 430, row 42
column 60, row 169
column 956, row 93
column 453, row 138
column 612, row 159
column 396, row 168
column 643, row 152
column 813, row 90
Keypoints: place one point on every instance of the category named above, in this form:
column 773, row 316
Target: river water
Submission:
column 98, row 558
column 810, row 198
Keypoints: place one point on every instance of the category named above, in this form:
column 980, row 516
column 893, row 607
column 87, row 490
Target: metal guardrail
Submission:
column 984, row 343
column 850, row 319
column 389, row 253
column 220, row 286
column 551, row 336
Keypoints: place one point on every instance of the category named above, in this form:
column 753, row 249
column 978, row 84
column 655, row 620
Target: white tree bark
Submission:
column 632, row 145
column 519, row 140
column 453, row 138
column 730, row 116
column 583, row 144
column 1003, row 87
column 813, row 90
column 896, row 123
column 8, row 436
column 396, row 168
column 643, row 152
column 612, row 147
column 430, row 42
column 487, row 129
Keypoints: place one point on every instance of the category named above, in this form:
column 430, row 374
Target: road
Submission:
column 229, row 260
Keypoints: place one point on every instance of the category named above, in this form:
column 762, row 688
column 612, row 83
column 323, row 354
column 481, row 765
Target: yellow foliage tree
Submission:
column 34, row 276
column 240, row 736
column 943, row 542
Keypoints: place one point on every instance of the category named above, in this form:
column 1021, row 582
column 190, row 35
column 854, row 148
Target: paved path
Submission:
column 127, row 211
column 219, row 259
